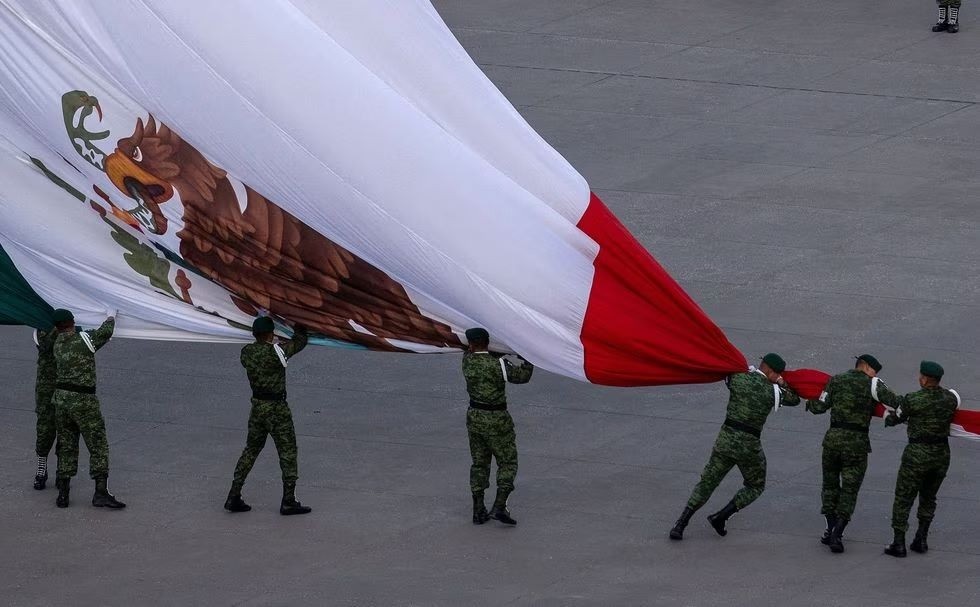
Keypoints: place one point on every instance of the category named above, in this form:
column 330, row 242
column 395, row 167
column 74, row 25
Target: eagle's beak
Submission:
column 147, row 190
column 132, row 180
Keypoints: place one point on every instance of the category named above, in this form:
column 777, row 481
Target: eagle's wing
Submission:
column 274, row 261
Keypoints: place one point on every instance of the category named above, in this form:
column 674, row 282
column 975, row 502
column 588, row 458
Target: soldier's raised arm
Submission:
column 301, row 338
column 103, row 334
column 517, row 374
column 44, row 339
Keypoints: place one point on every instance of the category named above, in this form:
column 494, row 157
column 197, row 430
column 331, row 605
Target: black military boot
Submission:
column 41, row 476
column 677, row 533
column 290, row 505
column 499, row 510
column 102, row 497
column 831, row 521
column 941, row 25
column 235, row 503
column 919, row 543
column 480, row 514
column 897, row 547
column 836, row 539
column 64, row 487
column 953, row 20
column 718, row 519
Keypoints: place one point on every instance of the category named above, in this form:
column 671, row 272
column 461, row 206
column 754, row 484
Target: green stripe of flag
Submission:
column 19, row 303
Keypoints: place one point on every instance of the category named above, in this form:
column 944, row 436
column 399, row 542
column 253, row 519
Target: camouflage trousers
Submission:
column 47, row 422
column 843, row 473
column 948, row 3
column 733, row 448
column 492, row 436
column 269, row 418
column 922, row 472
column 79, row 415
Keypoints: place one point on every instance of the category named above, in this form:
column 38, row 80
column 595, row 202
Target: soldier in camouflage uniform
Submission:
column 753, row 396
column 265, row 364
column 47, row 377
column 925, row 461
column 489, row 425
column 77, row 407
column 949, row 16
column 845, row 445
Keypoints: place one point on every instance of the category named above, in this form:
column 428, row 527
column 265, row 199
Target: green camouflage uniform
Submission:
column 76, row 405
column 845, row 445
column 949, row 3
column 491, row 433
column 752, row 399
column 47, row 377
column 925, row 461
column 270, row 413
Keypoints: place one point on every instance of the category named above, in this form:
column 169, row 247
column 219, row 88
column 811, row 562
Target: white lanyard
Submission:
column 88, row 341
column 280, row 354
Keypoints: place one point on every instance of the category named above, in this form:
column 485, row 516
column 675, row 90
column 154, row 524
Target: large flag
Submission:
column 341, row 165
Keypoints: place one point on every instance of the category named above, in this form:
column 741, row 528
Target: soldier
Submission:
column 77, row 407
column 265, row 364
column 925, row 461
column 753, row 396
column 846, row 446
column 949, row 16
column 489, row 425
column 47, row 377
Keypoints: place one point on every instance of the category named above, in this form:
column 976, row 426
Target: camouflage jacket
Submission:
column 266, row 371
column 753, row 397
column 487, row 375
column 928, row 412
column 850, row 402
column 47, row 370
column 75, row 359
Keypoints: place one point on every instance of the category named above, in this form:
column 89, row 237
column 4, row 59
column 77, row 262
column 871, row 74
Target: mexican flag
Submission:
column 343, row 166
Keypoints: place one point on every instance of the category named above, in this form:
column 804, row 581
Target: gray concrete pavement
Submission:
column 807, row 169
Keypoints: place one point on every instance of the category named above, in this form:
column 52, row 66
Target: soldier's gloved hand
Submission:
column 111, row 313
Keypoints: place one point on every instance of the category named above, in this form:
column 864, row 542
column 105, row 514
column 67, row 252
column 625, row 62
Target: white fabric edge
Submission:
column 960, row 432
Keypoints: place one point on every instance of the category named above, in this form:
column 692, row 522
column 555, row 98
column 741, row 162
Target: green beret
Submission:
column 931, row 369
column 775, row 362
column 871, row 360
column 62, row 315
column 477, row 335
column 263, row 324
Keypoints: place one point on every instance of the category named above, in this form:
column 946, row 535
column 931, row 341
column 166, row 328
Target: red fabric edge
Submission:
column 640, row 327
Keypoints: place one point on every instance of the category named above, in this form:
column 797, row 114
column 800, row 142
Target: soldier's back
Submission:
column 930, row 411
column 75, row 361
column 751, row 399
column 484, row 377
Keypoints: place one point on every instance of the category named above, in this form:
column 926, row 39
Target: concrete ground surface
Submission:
column 808, row 171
